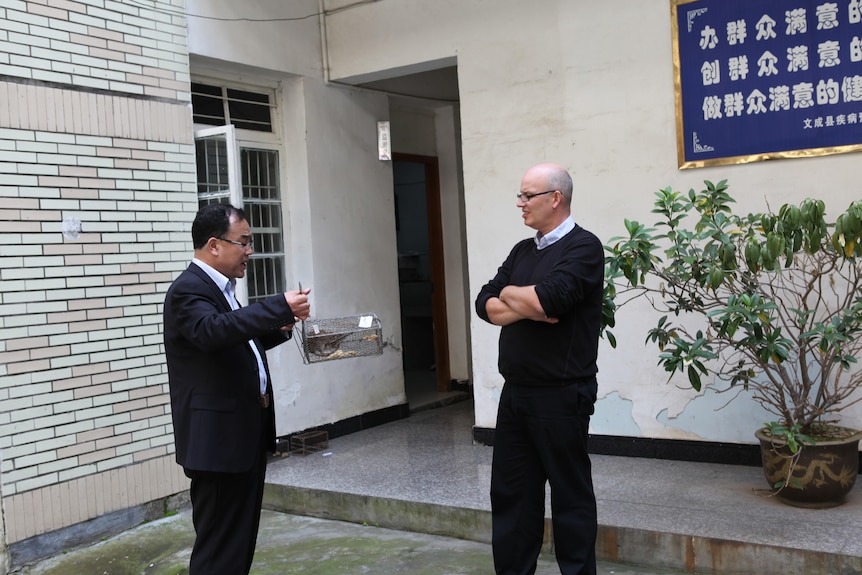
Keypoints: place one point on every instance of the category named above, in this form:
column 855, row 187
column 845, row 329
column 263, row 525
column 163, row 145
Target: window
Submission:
column 261, row 201
column 220, row 105
column 213, row 171
column 247, row 176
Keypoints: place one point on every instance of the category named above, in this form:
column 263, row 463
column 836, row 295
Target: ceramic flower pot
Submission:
column 821, row 475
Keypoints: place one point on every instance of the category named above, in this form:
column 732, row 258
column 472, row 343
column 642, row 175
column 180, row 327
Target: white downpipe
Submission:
column 324, row 48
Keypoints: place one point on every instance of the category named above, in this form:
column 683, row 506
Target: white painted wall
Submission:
column 341, row 244
column 267, row 35
column 351, row 235
column 589, row 85
column 586, row 84
column 458, row 302
column 339, row 212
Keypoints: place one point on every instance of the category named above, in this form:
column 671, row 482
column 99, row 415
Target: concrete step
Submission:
column 423, row 474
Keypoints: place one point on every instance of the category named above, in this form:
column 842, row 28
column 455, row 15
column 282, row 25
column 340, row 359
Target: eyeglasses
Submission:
column 525, row 197
column 248, row 244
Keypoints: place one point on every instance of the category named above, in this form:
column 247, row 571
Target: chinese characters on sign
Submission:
column 760, row 79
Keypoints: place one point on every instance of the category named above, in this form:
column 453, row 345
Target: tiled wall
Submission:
column 96, row 133
column 129, row 46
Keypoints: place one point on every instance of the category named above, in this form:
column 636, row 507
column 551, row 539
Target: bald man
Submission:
column 547, row 296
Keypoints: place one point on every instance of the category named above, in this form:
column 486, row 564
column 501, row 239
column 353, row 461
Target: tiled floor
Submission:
column 429, row 458
column 422, row 394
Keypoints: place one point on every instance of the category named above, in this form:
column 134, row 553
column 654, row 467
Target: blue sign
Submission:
column 761, row 79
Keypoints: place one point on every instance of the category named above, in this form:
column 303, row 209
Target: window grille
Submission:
column 220, row 105
column 260, row 199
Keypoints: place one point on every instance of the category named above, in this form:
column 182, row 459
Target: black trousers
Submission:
column 226, row 516
column 541, row 436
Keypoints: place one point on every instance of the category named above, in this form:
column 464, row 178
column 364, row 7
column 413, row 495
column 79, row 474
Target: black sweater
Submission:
column 569, row 277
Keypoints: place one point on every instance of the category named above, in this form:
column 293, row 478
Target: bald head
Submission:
column 546, row 197
column 555, row 177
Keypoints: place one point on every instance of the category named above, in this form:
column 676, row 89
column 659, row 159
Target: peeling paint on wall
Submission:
column 737, row 415
column 613, row 416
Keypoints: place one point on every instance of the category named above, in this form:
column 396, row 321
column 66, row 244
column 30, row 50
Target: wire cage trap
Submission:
column 340, row 338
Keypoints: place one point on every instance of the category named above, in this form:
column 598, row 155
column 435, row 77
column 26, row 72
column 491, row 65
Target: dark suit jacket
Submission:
column 212, row 372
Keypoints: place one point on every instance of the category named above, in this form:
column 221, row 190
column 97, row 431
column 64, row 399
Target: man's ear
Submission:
column 212, row 246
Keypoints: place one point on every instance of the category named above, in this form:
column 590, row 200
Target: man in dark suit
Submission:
column 221, row 390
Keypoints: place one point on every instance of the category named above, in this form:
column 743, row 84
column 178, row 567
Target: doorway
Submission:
column 421, row 278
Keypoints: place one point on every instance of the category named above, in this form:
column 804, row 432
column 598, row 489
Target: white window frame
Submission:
column 236, row 139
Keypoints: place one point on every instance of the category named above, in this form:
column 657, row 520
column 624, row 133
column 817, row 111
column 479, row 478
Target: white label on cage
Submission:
column 315, row 328
column 365, row 321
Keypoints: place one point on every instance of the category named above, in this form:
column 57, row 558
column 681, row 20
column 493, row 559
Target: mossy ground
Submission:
column 293, row 545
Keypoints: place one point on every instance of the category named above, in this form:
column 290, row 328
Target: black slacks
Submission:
column 541, row 436
column 226, row 516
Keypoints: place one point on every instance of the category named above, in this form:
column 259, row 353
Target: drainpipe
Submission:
column 324, row 49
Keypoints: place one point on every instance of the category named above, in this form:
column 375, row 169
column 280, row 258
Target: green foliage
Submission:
column 795, row 439
column 772, row 301
column 792, row 435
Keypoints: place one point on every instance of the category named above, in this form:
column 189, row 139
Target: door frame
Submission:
column 436, row 261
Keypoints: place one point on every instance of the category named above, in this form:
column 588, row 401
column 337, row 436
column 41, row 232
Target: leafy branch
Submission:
column 773, row 300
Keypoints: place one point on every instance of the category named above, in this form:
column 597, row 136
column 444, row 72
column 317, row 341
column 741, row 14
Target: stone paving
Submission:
column 290, row 544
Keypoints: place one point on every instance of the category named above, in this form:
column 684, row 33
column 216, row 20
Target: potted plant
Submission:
column 770, row 303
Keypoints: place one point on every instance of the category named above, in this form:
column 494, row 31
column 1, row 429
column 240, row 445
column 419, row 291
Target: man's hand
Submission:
column 499, row 313
column 298, row 302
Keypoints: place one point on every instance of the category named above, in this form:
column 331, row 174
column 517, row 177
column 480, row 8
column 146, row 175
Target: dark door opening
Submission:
column 421, row 273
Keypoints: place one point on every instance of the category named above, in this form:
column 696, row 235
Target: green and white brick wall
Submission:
column 95, row 127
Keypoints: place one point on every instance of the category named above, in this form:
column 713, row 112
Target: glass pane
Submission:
column 212, row 171
column 262, row 205
column 208, row 104
column 265, row 277
column 199, row 88
column 260, row 174
column 248, row 125
column 249, row 110
column 245, row 110
column 255, row 97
